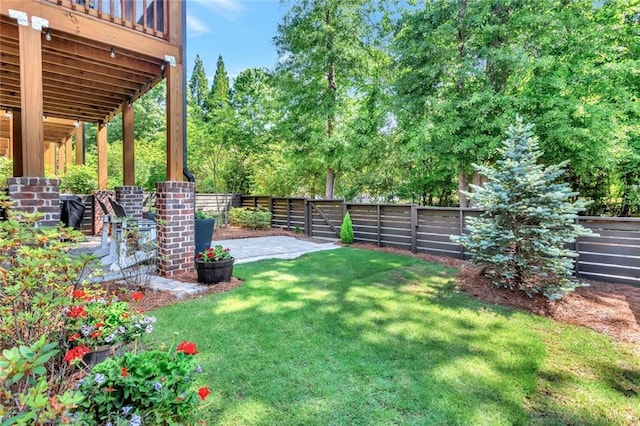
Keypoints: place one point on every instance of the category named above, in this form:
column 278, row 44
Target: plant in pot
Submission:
column 97, row 326
column 214, row 265
column 204, row 224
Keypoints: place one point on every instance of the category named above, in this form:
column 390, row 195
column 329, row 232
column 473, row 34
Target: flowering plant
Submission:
column 151, row 387
column 214, row 254
column 94, row 320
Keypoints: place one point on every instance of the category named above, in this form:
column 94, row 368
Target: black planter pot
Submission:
column 203, row 234
column 214, row 272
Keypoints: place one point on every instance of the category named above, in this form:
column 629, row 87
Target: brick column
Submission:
column 36, row 194
column 175, row 203
column 131, row 198
column 98, row 215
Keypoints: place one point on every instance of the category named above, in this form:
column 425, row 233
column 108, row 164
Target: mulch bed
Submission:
column 613, row 309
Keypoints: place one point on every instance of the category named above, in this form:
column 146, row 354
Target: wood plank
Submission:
column 609, row 259
column 79, row 139
column 128, row 146
column 610, row 270
column 175, row 122
column 101, row 141
column 611, row 279
column 102, row 31
column 434, row 237
column 68, row 153
column 614, row 249
column 31, row 103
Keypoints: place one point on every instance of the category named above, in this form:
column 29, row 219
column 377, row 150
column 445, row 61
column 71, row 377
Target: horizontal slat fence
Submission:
column 612, row 256
column 217, row 203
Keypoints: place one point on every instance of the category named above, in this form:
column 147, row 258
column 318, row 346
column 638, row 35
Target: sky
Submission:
column 241, row 31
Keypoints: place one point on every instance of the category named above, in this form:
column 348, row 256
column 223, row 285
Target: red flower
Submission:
column 77, row 294
column 110, row 389
column 96, row 334
column 75, row 353
column 77, row 312
column 203, row 393
column 137, row 296
column 74, row 337
column 187, row 347
column 124, row 372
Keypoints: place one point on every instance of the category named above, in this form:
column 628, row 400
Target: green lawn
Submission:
column 354, row 337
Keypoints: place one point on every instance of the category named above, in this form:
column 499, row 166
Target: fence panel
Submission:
column 325, row 218
column 613, row 255
column 217, row 203
column 288, row 213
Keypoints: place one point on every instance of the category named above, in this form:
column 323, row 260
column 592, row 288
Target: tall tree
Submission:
column 198, row 85
column 325, row 50
column 219, row 95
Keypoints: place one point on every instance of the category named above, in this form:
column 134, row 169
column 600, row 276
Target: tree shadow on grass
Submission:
column 367, row 339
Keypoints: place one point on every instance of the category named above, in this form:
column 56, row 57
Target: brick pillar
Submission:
column 131, row 198
column 175, row 202
column 36, row 194
column 98, row 215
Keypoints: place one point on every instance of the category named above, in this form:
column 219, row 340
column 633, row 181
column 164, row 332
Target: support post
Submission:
column 16, row 134
column 79, row 135
column 101, row 137
column 31, row 94
column 128, row 146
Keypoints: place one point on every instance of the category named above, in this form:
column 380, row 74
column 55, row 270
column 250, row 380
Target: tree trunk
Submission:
column 331, row 84
column 331, row 182
column 463, row 185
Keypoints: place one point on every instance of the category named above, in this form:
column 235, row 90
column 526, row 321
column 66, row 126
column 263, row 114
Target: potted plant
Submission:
column 214, row 265
column 204, row 224
column 97, row 326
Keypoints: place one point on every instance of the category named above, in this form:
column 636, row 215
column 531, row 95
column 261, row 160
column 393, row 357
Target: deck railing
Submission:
column 147, row 16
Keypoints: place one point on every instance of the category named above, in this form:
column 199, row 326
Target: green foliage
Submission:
column 79, row 179
column 6, row 171
column 346, row 230
column 529, row 221
column 254, row 218
column 25, row 388
column 37, row 277
column 203, row 214
column 151, row 387
column 198, row 86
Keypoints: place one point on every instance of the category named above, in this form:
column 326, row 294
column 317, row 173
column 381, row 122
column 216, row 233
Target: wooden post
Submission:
column 288, row 214
column 80, row 144
column 16, row 134
column 10, row 147
column 31, row 94
column 175, row 118
column 128, row 146
column 379, row 218
column 101, row 140
column 60, row 151
column 461, row 215
column 175, row 94
column 68, row 153
column 414, row 228
column 50, row 156
column 307, row 218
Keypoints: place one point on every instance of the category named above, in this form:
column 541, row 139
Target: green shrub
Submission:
column 346, row 230
column 25, row 388
column 79, row 179
column 253, row 218
column 6, row 171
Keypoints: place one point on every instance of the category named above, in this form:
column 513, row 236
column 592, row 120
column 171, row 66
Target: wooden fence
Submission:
column 612, row 256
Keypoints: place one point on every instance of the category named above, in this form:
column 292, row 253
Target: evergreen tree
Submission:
column 219, row 95
column 346, row 230
column 198, row 86
column 522, row 238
